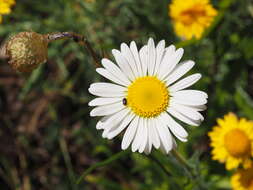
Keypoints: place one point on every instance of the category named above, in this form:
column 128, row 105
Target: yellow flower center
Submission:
column 237, row 143
column 147, row 96
column 192, row 14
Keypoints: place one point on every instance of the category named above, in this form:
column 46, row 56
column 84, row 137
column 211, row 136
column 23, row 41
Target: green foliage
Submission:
column 47, row 136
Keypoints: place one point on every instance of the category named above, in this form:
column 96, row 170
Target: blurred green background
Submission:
column 47, row 136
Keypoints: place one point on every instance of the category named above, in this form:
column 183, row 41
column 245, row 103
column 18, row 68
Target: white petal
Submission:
column 126, row 52
column 169, row 138
column 102, row 121
column 188, row 102
column 198, row 107
column 169, row 52
column 190, row 94
column 154, row 134
column 107, row 93
column 103, row 101
column 114, row 70
column 130, row 133
column 101, row 86
column 115, row 131
column 179, row 71
column 171, row 49
column 164, row 133
column 109, row 76
column 107, row 109
column 160, row 50
column 144, row 59
column 99, row 125
column 189, row 97
column 148, row 148
column 187, row 111
column 184, row 83
column 123, row 64
column 138, row 137
column 169, row 63
column 114, row 120
column 175, row 127
column 183, row 118
column 144, row 139
column 135, row 53
column 107, row 90
column 125, row 121
column 174, row 146
column 151, row 56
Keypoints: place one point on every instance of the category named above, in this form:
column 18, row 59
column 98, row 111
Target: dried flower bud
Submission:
column 26, row 51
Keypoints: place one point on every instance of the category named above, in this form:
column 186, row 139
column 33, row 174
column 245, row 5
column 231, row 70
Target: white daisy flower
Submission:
column 146, row 96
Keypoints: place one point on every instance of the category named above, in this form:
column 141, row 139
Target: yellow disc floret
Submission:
column 237, row 143
column 147, row 96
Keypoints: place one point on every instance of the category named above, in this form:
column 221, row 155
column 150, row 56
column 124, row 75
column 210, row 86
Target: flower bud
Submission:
column 26, row 51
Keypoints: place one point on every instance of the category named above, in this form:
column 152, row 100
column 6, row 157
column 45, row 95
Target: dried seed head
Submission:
column 26, row 51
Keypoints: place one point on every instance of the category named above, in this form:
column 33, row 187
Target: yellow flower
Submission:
column 243, row 179
column 5, row 7
column 191, row 17
column 232, row 141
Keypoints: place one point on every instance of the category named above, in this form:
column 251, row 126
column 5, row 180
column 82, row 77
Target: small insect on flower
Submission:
column 124, row 101
column 147, row 81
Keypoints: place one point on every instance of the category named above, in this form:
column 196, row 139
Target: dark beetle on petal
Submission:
column 124, row 101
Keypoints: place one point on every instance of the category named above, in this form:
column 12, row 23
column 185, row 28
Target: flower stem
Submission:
column 77, row 38
column 101, row 164
column 159, row 164
column 181, row 160
column 194, row 177
column 67, row 160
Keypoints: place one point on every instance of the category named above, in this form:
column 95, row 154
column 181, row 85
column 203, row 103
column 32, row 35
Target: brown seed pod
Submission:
column 26, row 51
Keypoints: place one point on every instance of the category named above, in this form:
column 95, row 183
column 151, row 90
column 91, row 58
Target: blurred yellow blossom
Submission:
column 243, row 179
column 191, row 17
column 232, row 141
column 5, row 7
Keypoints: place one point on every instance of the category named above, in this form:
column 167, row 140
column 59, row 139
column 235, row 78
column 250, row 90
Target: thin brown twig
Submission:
column 77, row 38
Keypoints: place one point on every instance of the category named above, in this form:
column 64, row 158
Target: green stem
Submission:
column 67, row 160
column 101, row 164
column 182, row 161
column 188, row 168
column 160, row 165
